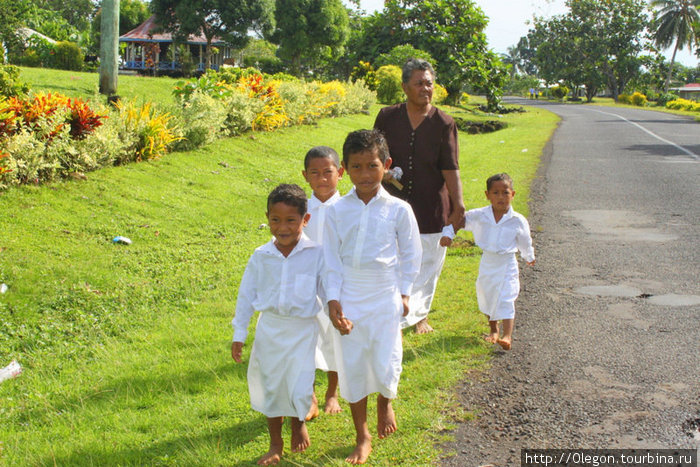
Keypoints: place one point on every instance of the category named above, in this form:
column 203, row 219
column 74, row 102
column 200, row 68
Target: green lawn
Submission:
column 125, row 349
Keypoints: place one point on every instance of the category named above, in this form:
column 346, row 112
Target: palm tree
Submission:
column 512, row 58
column 676, row 20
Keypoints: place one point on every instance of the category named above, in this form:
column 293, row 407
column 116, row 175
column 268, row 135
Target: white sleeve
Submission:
column 247, row 292
column 333, row 267
column 448, row 231
column 524, row 242
column 410, row 249
column 470, row 218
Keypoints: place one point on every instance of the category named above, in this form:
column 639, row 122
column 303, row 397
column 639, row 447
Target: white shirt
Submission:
column 318, row 209
column 510, row 234
column 381, row 236
column 286, row 286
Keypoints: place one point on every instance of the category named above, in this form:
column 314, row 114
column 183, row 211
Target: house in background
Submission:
column 689, row 91
column 147, row 48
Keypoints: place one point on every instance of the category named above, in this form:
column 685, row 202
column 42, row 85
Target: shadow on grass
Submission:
column 167, row 452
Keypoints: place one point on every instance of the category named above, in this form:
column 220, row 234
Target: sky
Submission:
column 508, row 21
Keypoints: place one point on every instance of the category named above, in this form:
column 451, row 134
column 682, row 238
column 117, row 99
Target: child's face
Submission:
column 366, row 171
column 322, row 176
column 286, row 225
column 500, row 195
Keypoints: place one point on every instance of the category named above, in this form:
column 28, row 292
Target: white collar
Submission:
column 315, row 202
column 303, row 243
column 381, row 193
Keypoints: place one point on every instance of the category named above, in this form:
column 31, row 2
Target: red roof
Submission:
column 144, row 33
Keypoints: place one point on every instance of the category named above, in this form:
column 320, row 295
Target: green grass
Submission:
column 126, row 349
column 85, row 85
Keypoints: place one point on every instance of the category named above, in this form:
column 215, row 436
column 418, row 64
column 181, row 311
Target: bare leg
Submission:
column 300, row 436
column 386, row 420
column 507, row 338
column 332, row 404
column 493, row 333
column 273, row 456
column 363, row 438
column 313, row 411
column 422, row 327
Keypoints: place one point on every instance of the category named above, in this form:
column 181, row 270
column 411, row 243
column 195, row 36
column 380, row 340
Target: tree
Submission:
column 131, row 14
column 309, row 28
column 12, row 13
column 452, row 31
column 400, row 54
column 676, row 21
column 512, row 59
column 109, row 47
column 596, row 41
column 229, row 20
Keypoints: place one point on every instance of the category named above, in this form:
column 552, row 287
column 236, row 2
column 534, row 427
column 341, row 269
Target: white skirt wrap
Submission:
column 498, row 285
column 424, row 288
column 369, row 358
column 281, row 369
column 325, row 349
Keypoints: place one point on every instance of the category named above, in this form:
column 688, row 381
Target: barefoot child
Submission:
column 281, row 281
column 322, row 171
column 499, row 232
column 372, row 251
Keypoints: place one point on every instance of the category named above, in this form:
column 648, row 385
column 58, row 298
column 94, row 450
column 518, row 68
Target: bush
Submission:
column 270, row 65
column 663, row 99
column 203, row 118
column 638, row 99
column 365, row 71
column 560, row 92
column 683, row 104
column 389, row 90
column 240, row 113
column 464, row 99
column 624, row 99
column 67, row 56
column 10, row 85
column 151, row 133
column 439, row 94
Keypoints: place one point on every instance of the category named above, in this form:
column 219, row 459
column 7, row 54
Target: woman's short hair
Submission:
column 413, row 64
column 291, row 195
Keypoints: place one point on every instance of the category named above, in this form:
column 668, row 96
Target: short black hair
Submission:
column 365, row 140
column 321, row 152
column 413, row 64
column 497, row 178
column 289, row 194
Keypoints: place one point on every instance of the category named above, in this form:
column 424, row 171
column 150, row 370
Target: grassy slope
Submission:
column 126, row 349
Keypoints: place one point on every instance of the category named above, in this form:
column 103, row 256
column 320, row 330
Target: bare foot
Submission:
column 422, row 327
column 272, row 456
column 300, row 436
column 504, row 343
column 313, row 411
column 361, row 452
column 332, row 405
column 491, row 338
column 386, row 420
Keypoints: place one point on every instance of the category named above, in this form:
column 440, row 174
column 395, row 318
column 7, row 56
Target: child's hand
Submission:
column 237, row 351
column 404, row 299
column 445, row 241
column 531, row 263
column 340, row 322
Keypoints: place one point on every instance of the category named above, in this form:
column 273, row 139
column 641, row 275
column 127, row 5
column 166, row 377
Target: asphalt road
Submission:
column 606, row 350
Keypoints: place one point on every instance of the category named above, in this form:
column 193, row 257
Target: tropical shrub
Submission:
column 151, row 133
column 560, row 92
column 209, row 84
column 638, row 99
column 389, row 90
column 464, row 99
column 663, row 99
column 624, row 99
column 439, row 94
column 10, row 84
column 67, row 56
column 205, row 119
column 683, row 104
column 358, row 98
column 365, row 71
column 401, row 54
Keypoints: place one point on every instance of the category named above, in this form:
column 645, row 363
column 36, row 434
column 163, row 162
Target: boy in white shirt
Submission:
column 372, row 251
column 499, row 232
column 322, row 171
column 282, row 281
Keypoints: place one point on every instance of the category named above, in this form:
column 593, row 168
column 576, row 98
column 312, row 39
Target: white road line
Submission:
column 691, row 154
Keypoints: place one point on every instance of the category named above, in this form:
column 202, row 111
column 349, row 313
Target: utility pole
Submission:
column 109, row 47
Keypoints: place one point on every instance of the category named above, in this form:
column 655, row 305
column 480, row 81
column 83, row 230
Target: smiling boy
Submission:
column 372, row 251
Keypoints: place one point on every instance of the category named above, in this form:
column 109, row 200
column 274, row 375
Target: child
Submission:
column 281, row 281
column 499, row 232
column 322, row 171
column 372, row 251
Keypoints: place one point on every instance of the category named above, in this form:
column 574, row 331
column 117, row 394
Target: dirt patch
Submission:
column 474, row 127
